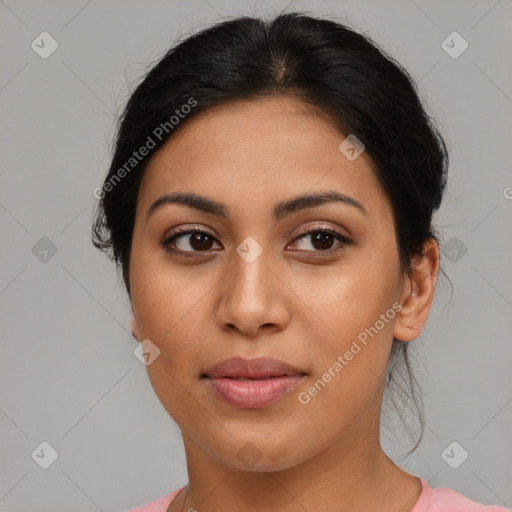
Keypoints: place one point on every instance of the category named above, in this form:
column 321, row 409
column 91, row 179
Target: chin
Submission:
column 261, row 456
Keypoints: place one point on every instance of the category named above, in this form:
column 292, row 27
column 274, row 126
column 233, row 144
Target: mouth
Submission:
column 252, row 383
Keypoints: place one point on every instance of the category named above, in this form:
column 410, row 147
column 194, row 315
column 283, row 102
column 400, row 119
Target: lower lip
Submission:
column 253, row 394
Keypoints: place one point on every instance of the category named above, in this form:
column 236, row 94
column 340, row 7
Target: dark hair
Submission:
column 318, row 61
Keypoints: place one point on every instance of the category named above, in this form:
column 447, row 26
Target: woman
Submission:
column 269, row 204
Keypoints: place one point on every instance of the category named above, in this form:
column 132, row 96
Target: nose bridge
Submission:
column 250, row 296
column 250, row 276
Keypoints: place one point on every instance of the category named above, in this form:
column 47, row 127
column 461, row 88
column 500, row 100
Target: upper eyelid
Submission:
column 322, row 227
column 186, row 231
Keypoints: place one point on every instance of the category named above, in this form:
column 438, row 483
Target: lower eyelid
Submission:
column 168, row 242
column 342, row 239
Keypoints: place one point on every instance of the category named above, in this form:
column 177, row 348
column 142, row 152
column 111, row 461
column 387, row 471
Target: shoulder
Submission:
column 159, row 505
column 444, row 499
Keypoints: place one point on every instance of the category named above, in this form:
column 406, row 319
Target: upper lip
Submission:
column 259, row 367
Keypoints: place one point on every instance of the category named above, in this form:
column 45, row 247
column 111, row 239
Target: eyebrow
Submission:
column 281, row 209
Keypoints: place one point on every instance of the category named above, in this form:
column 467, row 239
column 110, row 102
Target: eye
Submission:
column 321, row 239
column 198, row 240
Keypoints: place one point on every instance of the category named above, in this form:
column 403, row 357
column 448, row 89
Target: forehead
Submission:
column 252, row 150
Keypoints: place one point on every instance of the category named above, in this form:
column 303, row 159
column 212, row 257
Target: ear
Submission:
column 418, row 293
column 135, row 327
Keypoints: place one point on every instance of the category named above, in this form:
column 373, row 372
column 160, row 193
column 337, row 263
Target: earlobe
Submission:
column 418, row 294
column 135, row 328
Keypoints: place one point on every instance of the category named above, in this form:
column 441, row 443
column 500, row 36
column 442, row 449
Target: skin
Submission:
column 294, row 302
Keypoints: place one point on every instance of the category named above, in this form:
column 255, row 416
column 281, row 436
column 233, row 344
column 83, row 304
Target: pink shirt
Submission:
column 430, row 500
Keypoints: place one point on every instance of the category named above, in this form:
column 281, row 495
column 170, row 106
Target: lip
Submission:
column 252, row 383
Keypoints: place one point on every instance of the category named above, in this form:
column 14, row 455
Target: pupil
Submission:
column 323, row 239
column 199, row 240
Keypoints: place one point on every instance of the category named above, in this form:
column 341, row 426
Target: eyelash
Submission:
column 179, row 232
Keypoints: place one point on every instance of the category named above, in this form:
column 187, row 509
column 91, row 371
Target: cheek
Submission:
column 169, row 306
column 350, row 297
column 164, row 296
column 351, row 351
column 353, row 316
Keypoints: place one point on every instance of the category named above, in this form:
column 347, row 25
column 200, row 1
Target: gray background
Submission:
column 68, row 373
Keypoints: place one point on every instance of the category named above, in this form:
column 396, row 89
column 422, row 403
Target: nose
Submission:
column 252, row 298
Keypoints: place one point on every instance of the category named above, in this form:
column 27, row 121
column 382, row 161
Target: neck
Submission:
column 349, row 474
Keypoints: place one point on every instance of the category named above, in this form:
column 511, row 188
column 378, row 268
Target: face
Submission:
column 314, row 284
